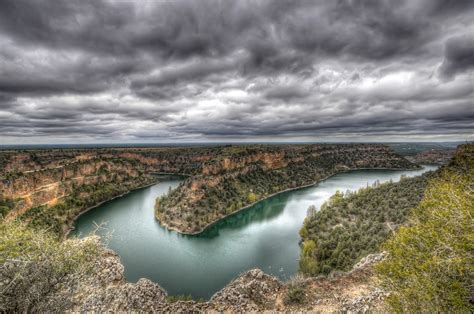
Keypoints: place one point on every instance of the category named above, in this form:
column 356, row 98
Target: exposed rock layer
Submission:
column 51, row 187
column 240, row 176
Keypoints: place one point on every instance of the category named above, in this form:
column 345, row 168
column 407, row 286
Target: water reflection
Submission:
column 265, row 210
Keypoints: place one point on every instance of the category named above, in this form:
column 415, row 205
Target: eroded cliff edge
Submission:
column 252, row 291
column 242, row 175
column 49, row 188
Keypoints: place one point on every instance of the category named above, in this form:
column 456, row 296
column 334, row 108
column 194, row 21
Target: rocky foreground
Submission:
column 107, row 290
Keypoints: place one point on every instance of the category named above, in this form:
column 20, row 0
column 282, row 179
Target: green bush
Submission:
column 251, row 197
column 308, row 264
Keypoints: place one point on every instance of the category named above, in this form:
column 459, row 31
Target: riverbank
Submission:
column 70, row 225
column 209, row 225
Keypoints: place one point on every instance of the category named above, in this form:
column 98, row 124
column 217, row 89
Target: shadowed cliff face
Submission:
column 55, row 185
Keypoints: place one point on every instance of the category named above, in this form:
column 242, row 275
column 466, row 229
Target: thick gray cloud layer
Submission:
column 236, row 70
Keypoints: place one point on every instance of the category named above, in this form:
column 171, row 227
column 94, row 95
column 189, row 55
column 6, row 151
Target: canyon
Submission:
column 356, row 289
column 49, row 188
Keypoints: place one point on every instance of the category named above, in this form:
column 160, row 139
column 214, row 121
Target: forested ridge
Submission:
column 352, row 225
column 240, row 177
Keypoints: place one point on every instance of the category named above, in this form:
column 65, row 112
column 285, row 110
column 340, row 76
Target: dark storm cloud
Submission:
column 459, row 55
column 233, row 69
column 188, row 72
column 86, row 25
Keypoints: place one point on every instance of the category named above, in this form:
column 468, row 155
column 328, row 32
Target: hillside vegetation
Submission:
column 428, row 267
column 352, row 225
column 430, row 263
column 59, row 217
column 424, row 224
column 432, row 157
column 49, row 188
column 241, row 176
column 53, row 196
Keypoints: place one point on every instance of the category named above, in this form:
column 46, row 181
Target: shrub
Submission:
column 295, row 293
column 308, row 265
column 252, row 197
column 176, row 298
column 37, row 272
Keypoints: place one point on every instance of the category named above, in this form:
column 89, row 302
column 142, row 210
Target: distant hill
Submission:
column 411, row 149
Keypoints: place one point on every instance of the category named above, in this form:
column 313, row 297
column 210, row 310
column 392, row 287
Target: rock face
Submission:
column 50, row 187
column 369, row 260
column 143, row 295
column 364, row 303
column 253, row 291
column 240, row 176
column 107, row 290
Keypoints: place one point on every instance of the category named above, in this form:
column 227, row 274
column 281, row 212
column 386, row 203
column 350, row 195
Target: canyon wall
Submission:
column 242, row 175
column 51, row 187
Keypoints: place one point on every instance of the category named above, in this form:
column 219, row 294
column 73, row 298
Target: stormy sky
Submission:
column 186, row 71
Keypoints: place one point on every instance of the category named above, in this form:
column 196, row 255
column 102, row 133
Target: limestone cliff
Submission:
column 49, row 188
column 240, row 176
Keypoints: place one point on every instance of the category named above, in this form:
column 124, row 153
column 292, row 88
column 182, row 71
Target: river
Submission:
column 263, row 236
